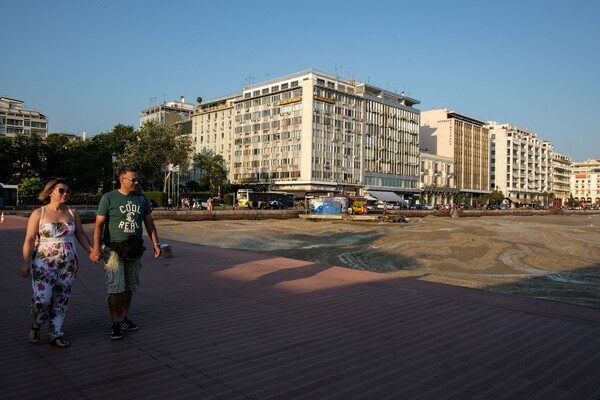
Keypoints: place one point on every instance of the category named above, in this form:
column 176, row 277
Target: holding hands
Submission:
column 95, row 255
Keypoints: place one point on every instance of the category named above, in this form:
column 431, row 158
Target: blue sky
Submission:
column 92, row 64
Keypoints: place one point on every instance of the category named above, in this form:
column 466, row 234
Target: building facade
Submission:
column 169, row 113
column 213, row 128
column 561, row 177
column 585, row 182
column 521, row 165
column 312, row 131
column 437, row 179
column 14, row 119
column 466, row 141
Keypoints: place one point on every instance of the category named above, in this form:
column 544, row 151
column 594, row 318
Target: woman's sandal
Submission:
column 34, row 335
column 59, row 342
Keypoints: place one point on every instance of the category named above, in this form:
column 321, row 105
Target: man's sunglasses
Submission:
column 134, row 180
column 63, row 190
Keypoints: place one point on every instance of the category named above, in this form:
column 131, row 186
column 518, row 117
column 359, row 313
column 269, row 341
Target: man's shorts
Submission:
column 120, row 275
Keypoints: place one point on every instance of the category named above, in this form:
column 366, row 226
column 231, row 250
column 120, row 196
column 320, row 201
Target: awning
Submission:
column 387, row 196
column 519, row 201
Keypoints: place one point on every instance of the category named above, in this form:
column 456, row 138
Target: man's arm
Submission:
column 151, row 230
column 96, row 253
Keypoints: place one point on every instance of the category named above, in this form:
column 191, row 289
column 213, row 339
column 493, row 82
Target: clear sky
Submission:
column 92, row 64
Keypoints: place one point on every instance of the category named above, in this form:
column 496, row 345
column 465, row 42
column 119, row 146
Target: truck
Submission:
column 328, row 204
column 357, row 205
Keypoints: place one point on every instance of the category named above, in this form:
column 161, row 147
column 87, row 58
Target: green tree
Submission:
column 30, row 156
column 8, row 157
column 57, row 147
column 104, row 147
column 116, row 140
column 30, row 188
column 496, row 197
column 155, row 145
column 571, row 201
column 215, row 174
column 88, row 166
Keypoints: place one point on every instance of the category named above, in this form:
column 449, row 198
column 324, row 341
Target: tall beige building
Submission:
column 522, row 164
column 15, row 119
column 465, row 140
column 312, row 131
column 561, row 177
column 585, row 182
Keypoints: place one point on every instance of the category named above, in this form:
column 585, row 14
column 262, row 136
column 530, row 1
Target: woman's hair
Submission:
column 44, row 196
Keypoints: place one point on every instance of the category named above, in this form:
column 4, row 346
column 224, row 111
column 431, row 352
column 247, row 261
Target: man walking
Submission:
column 118, row 240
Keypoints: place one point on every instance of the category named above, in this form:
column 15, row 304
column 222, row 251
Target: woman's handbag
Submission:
column 131, row 249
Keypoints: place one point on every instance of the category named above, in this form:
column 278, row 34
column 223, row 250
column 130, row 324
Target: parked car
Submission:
column 390, row 205
column 276, row 205
column 372, row 207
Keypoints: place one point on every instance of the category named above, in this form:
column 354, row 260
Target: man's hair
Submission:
column 123, row 171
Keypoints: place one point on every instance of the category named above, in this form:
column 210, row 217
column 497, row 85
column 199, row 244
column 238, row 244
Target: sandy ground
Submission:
column 553, row 257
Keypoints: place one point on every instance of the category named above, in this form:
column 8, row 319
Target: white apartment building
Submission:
column 561, row 177
column 312, row 131
column 169, row 113
column 521, row 165
column 585, row 182
column 437, row 179
column 466, row 141
column 14, row 119
column 213, row 128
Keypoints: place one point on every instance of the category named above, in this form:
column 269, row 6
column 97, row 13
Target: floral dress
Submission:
column 54, row 267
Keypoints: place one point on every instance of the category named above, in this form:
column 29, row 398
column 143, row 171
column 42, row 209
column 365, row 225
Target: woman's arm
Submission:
column 29, row 242
column 80, row 234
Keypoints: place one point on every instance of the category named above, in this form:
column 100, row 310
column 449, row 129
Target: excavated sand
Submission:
column 553, row 257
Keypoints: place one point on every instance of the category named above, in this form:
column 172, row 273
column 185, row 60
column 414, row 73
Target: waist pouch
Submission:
column 131, row 249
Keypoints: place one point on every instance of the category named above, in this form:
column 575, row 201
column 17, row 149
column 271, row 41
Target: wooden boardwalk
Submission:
column 227, row 324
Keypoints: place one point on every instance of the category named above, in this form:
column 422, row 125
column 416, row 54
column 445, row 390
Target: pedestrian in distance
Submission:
column 118, row 241
column 50, row 259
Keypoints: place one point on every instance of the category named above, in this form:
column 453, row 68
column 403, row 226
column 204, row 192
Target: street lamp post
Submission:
column 114, row 160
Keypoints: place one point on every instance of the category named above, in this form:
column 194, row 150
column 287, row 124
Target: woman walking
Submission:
column 50, row 259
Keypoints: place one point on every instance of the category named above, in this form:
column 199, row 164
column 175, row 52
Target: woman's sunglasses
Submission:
column 63, row 191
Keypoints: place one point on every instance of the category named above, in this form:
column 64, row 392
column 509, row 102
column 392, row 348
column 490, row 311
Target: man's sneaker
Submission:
column 127, row 325
column 116, row 332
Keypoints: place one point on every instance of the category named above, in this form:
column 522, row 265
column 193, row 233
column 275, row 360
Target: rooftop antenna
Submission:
column 249, row 79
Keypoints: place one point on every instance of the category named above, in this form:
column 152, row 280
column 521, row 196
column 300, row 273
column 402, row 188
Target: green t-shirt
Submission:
column 124, row 214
